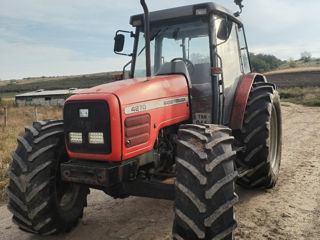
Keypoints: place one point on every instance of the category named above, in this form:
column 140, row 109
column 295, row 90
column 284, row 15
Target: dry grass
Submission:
column 18, row 118
column 294, row 70
column 304, row 96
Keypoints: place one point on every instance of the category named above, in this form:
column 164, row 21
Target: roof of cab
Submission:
column 181, row 12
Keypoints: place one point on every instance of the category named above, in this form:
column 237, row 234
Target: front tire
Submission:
column 204, row 195
column 39, row 201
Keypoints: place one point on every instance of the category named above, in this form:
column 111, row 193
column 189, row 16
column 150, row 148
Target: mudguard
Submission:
column 241, row 98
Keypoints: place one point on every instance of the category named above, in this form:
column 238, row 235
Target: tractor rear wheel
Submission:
column 261, row 135
column 39, row 201
column 204, row 186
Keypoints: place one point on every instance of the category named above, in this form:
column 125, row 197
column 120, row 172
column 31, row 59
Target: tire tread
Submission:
column 254, row 136
column 205, row 174
column 32, row 180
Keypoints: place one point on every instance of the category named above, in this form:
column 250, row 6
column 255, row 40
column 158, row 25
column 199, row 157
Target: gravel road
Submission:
column 289, row 211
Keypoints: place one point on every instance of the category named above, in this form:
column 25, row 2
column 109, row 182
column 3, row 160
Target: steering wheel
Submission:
column 188, row 63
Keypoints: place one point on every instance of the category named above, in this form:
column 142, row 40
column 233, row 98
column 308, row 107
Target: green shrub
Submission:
column 292, row 64
column 304, row 96
column 264, row 62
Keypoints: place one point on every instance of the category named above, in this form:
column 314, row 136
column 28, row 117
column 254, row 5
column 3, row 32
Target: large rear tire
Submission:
column 39, row 201
column 262, row 137
column 204, row 195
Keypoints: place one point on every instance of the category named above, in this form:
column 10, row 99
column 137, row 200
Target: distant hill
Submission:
column 13, row 87
column 295, row 77
column 292, row 64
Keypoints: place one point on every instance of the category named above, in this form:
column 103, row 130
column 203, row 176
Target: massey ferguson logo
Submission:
column 150, row 105
column 84, row 113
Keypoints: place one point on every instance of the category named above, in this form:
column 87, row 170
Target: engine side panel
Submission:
column 163, row 112
column 164, row 98
column 241, row 98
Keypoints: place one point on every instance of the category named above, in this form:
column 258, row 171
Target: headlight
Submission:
column 75, row 137
column 96, row 138
column 201, row 11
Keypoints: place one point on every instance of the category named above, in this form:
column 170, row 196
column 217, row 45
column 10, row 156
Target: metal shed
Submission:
column 45, row 97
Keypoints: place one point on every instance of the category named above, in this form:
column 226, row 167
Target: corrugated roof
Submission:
column 51, row 92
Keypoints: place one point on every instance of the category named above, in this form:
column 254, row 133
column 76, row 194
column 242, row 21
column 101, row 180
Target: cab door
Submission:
column 229, row 60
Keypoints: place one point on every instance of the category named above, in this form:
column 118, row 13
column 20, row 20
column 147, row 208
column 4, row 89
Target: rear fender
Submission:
column 241, row 98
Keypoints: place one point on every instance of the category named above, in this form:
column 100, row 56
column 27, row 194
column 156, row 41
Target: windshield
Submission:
column 188, row 41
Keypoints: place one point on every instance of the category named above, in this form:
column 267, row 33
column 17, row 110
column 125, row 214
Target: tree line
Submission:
column 266, row 62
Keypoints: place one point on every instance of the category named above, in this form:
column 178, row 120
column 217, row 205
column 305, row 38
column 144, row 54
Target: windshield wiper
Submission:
column 153, row 37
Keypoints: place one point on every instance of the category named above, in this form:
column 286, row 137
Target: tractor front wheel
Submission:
column 204, row 195
column 39, row 201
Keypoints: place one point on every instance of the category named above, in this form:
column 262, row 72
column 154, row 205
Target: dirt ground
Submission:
column 289, row 211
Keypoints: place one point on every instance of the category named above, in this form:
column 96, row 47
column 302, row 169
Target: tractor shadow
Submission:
column 133, row 218
column 247, row 194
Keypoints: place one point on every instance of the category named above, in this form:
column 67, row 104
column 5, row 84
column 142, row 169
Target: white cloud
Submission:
column 284, row 28
column 5, row 33
column 25, row 60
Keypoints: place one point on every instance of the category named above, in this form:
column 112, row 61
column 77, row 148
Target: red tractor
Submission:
column 191, row 111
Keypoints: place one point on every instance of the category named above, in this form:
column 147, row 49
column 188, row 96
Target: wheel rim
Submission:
column 274, row 139
column 67, row 194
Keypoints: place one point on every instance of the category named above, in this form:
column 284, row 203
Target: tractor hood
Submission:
column 143, row 89
column 120, row 110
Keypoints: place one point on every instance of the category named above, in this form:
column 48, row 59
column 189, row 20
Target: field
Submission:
column 300, row 85
column 291, row 78
column 18, row 118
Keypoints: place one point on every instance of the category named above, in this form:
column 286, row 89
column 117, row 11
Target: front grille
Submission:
column 97, row 120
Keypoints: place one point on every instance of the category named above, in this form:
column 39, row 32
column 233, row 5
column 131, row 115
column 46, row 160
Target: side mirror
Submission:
column 118, row 43
column 224, row 30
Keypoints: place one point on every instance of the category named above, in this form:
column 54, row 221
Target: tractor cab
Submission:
column 198, row 41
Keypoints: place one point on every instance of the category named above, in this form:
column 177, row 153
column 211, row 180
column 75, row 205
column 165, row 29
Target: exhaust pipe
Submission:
column 147, row 36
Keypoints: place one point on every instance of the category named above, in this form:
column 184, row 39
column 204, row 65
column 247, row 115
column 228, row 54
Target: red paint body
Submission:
column 122, row 94
column 241, row 99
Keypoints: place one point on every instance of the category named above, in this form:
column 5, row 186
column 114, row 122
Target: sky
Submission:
column 58, row 37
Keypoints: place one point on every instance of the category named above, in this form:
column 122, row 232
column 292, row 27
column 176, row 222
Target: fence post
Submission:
column 5, row 117
column 36, row 113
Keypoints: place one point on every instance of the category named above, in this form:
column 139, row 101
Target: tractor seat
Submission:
column 201, row 73
column 178, row 67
